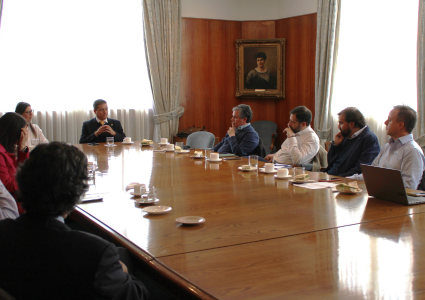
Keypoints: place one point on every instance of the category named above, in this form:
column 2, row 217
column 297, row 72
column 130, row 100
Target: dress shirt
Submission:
column 299, row 149
column 39, row 135
column 104, row 121
column 403, row 154
column 8, row 208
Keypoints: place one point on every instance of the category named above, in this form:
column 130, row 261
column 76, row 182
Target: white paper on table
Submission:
column 317, row 185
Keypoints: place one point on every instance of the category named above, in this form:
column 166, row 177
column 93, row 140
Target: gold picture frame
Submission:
column 260, row 68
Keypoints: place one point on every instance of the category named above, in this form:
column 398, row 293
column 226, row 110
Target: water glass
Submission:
column 253, row 161
column 179, row 144
column 110, row 141
column 299, row 170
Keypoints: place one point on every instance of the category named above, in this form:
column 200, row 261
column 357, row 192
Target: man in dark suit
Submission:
column 355, row 144
column 40, row 257
column 99, row 128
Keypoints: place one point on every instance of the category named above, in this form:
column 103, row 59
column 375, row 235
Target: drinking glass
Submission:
column 110, row 141
column 179, row 144
column 208, row 152
column 299, row 170
column 35, row 142
column 253, row 161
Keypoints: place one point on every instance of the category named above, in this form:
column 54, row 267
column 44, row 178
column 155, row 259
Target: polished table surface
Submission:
column 263, row 238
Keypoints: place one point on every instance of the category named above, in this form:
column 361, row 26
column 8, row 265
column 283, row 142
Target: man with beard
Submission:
column 302, row 143
column 355, row 144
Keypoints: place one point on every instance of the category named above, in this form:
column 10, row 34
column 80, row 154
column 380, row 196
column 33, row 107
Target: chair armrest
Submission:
column 274, row 136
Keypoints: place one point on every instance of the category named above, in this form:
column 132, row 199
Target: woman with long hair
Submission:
column 34, row 132
column 13, row 149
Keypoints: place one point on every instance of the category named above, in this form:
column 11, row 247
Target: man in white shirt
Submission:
column 302, row 143
column 401, row 152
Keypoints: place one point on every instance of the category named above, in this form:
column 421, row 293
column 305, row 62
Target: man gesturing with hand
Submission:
column 355, row 144
column 241, row 139
column 301, row 144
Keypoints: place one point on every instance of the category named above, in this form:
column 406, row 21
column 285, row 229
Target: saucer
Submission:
column 197, row 157
column 220, row 159
column 137, row 195
column 146, row 200
column 350, row 193
column 110, row 145
column 264, row 171
column 157, row 210
column 158, row 150
column 145, row 144
column 182, row 151
column 244, row 170
column 190, row 220
column 301, row 181
column 162, row 144
column 125, row 143
column 283, row 177
column 169, row 150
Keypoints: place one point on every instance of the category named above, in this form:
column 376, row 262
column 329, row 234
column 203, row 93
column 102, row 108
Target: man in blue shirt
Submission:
column 241, row 139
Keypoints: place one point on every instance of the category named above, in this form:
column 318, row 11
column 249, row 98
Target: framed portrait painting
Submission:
column 260, row 68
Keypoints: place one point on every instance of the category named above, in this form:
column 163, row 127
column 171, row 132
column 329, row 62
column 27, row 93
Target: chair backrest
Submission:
column 260, row 150
column 5, row 295
column 201, row 140
column 266, row 130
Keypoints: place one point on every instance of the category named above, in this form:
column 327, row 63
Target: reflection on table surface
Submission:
column 262, row 236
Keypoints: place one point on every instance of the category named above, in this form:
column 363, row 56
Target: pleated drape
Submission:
column 162, row 27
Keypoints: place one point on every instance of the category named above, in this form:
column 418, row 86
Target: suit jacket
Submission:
column 90, row 126
column 243, row 143
column 47, row 260
column 363, row 151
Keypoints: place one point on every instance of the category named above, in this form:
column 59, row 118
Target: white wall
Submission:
column 245, row 10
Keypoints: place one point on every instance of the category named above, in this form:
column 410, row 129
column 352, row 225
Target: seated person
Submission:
column 401, row 152
column 13, row 138
column 41, row 257
column 34, row 132
column 8, row 208
column 301, row 144
column 241, row 139
column 99, row 128
column 355, row 144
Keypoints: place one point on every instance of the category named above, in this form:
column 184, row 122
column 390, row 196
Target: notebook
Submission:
column 387, row 184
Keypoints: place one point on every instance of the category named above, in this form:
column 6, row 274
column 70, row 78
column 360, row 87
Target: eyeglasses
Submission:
column 29, row 112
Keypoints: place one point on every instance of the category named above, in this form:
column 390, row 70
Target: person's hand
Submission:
column 338, row 139
column 124, row 267
column 23, row 139
column 101, row 130
column 289, row 132
column 269, row 157
column 110, row 130
column 231, row 131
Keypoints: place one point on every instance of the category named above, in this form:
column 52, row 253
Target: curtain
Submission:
column 65, row 126
column 421, row 69
column 328, row 21
column 162, row 28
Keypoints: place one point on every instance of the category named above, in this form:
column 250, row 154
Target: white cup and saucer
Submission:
column 282, row 174
column 269, row 168
column 164, row 142
column 215, row 157
column 170, row 148
column 127, row 141
column 139, row 190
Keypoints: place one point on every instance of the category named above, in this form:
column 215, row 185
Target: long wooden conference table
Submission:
column 263, row 238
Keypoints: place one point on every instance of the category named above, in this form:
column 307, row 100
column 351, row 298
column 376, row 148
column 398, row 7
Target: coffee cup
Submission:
column 170, row 147
column 282, row 172
column 127, row 140
column 164, row 140
column 214, row 156
column 269, row 167
column 139, row 189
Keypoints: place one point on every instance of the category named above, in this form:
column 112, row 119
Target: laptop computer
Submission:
column 387, row 184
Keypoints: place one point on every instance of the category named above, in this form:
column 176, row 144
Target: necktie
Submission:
column 102, row 122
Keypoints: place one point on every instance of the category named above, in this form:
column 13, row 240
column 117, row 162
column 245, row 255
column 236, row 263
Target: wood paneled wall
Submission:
column 208, row 70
